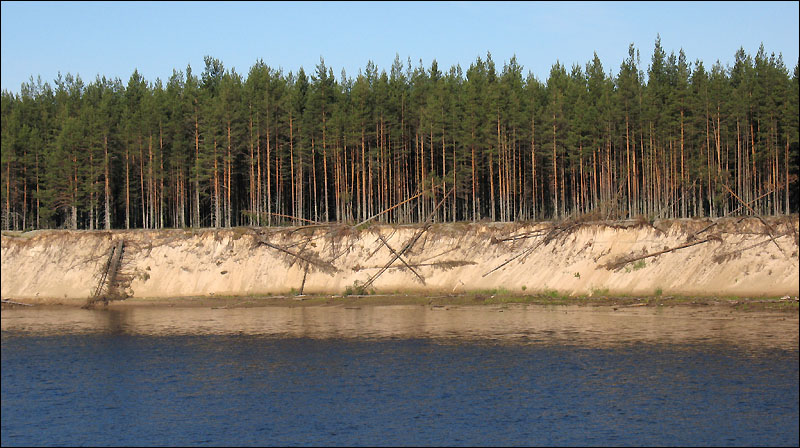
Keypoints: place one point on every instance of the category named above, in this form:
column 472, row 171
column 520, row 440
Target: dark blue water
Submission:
column 128, row 389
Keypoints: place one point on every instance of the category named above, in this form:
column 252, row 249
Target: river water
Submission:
column 399, row 375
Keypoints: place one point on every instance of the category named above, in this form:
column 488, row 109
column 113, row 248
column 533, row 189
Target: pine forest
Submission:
column 676, row 139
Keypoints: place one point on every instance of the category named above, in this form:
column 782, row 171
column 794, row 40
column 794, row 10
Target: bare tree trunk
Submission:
column 160, row 178
column 555, row 172
column 314, row 176
column 8, row 196
column 253, row 206
column 269, row 181
column 683, row 178
column 474, row 182
column 533, row 166
column 325, row 168
column 141, row 183
column 37, row 190
column 491, row 187
column 363, row 177
column 291, row 163
column 229, row 222
column 196, row 215
column 127, row 190
column 150, row 184
column 708, row 156
column 628, row 164
column 107, row 189
column 594, row 177
column 786, row 172
column 258, row 175
column 74, row 190
column 455, row 185
column 217, row 210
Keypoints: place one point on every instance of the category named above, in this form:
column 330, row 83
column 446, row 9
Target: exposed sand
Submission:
column 739, row 260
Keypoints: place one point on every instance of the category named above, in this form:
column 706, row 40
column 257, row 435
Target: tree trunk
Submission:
column 325, row 168
column 628, row 164
column 533, row 166
column 196, row 215
column 228, row 188
column 555, row 172
column 127, row 190
column 217, row 210
column 107, row 189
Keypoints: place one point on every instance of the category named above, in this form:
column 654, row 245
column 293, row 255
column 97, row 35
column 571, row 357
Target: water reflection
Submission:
column 529, row 324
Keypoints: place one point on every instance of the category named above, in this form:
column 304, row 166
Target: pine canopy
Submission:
column 673, row 140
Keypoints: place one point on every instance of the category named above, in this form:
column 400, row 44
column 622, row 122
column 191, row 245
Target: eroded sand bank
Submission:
column 726, row 257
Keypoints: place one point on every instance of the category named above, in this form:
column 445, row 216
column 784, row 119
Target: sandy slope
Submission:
column 740, row 259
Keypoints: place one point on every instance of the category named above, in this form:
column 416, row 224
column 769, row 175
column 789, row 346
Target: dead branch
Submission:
column 104, row 273
column 754, row 200
column 769, row 228
column 321, row 264
column 446, row 264
column 694, row 235
column 303, row 284
column 674, row 201
column 422, row 280
column 553, row 233
column 389, row 209
column 371, row 254
column 440, row 254
column 722, row 257
column 793, row 232
column 302, row 250
column 520, row 236
column 286, row 216
column 410, row 242
column 344, row 251
column 307, row 240
column 11, row 302
column 622, row 262
column 109, row 277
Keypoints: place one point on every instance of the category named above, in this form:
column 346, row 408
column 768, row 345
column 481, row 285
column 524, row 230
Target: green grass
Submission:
column 636, row 266
column 502, row 297
column 552, row 293
column 357, row 289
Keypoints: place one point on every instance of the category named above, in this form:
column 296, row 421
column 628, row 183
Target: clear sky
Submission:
column 114, row 38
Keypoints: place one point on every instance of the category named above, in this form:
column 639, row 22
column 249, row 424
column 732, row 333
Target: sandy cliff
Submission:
column 739, row 257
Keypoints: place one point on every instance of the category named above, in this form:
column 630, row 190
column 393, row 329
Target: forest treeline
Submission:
column 221, row 149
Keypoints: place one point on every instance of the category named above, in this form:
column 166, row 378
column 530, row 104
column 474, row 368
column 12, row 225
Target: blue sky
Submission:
column 114, row 38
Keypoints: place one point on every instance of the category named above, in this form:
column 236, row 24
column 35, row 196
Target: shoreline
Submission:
column 488, row 299
column 756, row 324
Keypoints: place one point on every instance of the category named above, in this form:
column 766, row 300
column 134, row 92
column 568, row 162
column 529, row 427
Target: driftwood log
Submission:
column 410, row 242
column 11, row 302
column 769, row 227
column 421, row 279
column 306, row 257
column 553, row 233
column 625, row 260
